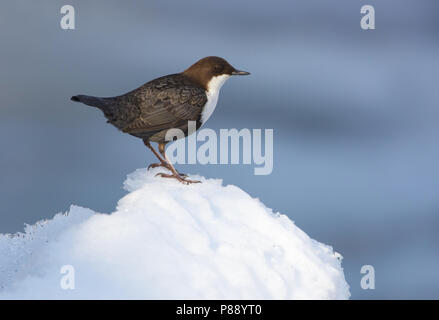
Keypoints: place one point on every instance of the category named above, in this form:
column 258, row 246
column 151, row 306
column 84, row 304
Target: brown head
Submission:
column 212, row 68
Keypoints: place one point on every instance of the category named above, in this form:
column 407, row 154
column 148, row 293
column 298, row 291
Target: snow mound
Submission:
column 170, row 241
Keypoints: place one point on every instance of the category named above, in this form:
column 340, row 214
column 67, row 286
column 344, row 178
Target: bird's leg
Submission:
column 168, row 164
column 180, row 177
column 162, row 163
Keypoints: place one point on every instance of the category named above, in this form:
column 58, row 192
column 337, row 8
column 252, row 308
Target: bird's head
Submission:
column 212, row 72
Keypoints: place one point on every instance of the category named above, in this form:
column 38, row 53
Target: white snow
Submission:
column 171, row 241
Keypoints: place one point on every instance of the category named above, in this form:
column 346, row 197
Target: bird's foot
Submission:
column 179, row 177
column 167, row 166
column 162, row 164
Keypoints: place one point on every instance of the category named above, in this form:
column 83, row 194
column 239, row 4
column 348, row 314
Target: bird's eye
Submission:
column 217, row 68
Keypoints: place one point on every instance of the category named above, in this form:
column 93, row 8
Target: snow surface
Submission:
column 171, row 241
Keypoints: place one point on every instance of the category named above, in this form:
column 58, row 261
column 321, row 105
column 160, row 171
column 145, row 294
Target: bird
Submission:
column 168, row 102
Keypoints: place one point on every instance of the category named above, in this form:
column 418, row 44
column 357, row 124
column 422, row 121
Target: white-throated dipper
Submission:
column 168, row 102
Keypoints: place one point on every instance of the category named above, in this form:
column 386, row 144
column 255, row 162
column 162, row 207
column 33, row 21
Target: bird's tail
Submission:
column 90, row 101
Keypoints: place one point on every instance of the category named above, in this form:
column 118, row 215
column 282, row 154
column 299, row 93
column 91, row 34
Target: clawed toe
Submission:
column 180, row 178
column 155, row 165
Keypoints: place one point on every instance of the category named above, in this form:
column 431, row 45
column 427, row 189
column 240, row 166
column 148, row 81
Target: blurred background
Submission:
column 354, row 112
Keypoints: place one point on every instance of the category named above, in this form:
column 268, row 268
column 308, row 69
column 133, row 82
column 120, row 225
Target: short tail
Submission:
column 90, row 101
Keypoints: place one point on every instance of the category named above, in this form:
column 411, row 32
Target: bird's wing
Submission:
column 165, row 103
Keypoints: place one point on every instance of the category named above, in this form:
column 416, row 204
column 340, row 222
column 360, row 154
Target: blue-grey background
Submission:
column 355, row 115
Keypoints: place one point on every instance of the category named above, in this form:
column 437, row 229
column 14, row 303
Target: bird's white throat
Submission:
column 213, row 89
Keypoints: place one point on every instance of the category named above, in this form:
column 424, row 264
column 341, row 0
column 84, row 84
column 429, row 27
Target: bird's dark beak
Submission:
column 240, row 73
